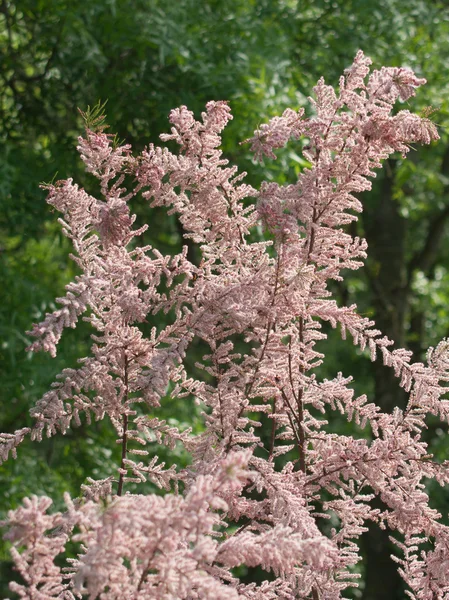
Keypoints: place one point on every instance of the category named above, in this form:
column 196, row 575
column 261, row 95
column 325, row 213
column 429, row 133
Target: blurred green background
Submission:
column 146, row 57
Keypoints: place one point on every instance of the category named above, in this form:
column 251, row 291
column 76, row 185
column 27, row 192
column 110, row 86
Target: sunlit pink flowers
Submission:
column 265, row 472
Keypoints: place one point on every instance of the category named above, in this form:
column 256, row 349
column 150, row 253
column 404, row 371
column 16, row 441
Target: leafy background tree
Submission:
column 146, row 57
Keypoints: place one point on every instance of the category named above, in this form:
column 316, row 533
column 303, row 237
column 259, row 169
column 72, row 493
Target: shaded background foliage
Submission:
column 146, row 57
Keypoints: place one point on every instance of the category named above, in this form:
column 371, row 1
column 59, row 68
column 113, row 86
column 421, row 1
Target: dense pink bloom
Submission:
column 258, row 306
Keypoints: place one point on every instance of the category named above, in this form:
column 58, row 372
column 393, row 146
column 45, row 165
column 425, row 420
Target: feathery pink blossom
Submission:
column 249, row 497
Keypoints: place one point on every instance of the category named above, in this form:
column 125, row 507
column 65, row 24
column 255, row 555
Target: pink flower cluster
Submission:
column 257, row 486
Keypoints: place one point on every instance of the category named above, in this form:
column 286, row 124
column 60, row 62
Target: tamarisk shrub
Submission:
column 249, row 497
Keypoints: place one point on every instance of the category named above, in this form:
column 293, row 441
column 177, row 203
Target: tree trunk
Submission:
column 385, row 231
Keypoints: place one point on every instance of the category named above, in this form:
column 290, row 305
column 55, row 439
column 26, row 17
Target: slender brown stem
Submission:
column 124, row 451
column 297, row 438
column 300, row 406
column 270, row 325
column 302, row 437
column 220, row 400
column 273, row 430
column 146, row 570
column 125, row 433
column 290, row 369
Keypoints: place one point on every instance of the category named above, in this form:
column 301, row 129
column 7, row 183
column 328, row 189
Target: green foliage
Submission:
column 95, row 118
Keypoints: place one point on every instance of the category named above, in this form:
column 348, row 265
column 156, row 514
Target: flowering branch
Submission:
column 258, row 308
